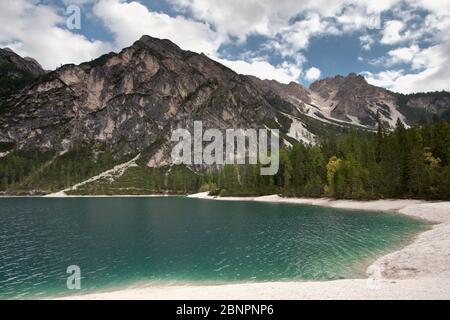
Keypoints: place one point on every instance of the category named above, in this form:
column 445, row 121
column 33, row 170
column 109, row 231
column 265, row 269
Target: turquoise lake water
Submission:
column 127, row 241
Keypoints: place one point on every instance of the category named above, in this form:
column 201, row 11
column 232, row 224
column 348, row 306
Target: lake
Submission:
column 120, row 242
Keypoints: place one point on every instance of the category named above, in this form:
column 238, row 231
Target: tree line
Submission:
column 403, row 163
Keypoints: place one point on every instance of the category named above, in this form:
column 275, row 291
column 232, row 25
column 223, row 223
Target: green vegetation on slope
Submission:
column 404, row 163
column 141, row 180
column 43, row 172
column 16, row 167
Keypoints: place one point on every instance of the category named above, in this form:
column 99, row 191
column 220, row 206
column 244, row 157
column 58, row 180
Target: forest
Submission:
column 401, row 163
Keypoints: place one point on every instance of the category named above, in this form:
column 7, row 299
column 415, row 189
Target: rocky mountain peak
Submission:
column 16, row 72
column 356, row 77
column 12, row 61
column 353, row 99
column 128, row 102
column 160, row 45
column 339, row 82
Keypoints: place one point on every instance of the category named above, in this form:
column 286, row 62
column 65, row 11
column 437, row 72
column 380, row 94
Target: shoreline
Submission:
column 420, row 270
column 382, row 205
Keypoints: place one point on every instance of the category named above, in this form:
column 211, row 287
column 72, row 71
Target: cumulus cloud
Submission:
column 289, row 24
column 431, row 68
column 312, row 74
column 415, row 40
column 297, row 36
column 424, row 52
column 435, row 6
column 358, row 17
column 366, row 41
column 128, row 21
column 242, row 18
column 284, row 73
column 36, row 30
column 403, row 55
column 77, row 2
column 391, row 32
column 386, row 79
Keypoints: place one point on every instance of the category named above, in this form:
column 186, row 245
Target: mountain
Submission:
column 130, row 100
column 352, row 99
column 16, row 72
column 126, row 104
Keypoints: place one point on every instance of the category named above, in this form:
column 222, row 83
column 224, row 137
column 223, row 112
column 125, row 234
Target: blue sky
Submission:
column 400, row 45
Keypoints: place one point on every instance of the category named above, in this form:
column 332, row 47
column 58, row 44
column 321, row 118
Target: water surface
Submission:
column 124, row 241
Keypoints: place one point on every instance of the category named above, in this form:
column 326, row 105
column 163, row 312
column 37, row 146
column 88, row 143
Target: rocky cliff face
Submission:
column 419, row 105
column 16, row 72
column 352, row 99
column 132, row 100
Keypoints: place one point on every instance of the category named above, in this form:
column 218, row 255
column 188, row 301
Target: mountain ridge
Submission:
column 131, row 100
column 17, row 72
column 348, row 109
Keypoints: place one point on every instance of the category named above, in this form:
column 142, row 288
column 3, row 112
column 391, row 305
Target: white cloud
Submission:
column 289, row 24
column 385, row 79
column 366, row 41
column 433, row 72
column 397, row 56
column 358, row 18
column 130, row 20
column 391, row 32
column 412, row 26
column 242, row 18
column 284, row 73
column 403, row 55
column 437, row 26
column 435, row 6
column 427, row 53
column 296, row 36
column 380, row 5
column 312, row 74
column 77, row 2
column 35, row 30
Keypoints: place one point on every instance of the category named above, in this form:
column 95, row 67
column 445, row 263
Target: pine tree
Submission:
column 416, row 166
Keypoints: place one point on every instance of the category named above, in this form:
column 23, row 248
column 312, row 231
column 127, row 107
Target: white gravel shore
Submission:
column 420, row 270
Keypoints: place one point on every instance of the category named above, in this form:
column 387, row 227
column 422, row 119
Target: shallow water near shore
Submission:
column 119, row 242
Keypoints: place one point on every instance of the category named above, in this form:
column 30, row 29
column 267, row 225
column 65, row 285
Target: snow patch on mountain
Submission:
column 298, row 131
